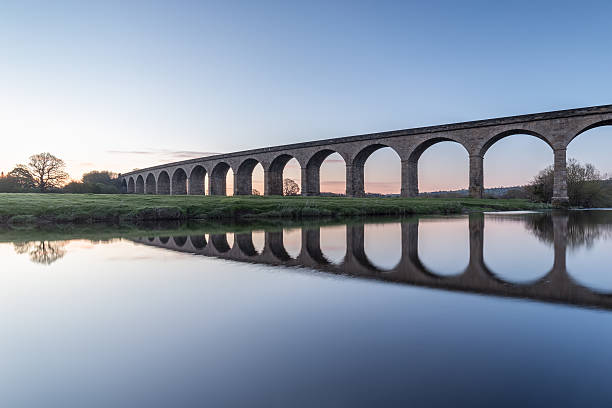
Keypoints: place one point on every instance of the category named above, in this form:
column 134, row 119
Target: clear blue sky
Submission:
column 118, row 86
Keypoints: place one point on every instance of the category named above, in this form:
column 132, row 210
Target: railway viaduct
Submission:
column 556, row 128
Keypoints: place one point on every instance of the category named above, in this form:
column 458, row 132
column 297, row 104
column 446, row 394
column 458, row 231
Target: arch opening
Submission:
column 249, row 175
column 150, row 185
column 196, row 181
column 283, row 167
column 588, row 156
column 179, row 182
column 218, row 179
column 140, row 185
column 131, row 187
column 513, row 161
column 124, row 186
column 163, row 183
column 325, row 174
column 382, row 172
column 440, row 168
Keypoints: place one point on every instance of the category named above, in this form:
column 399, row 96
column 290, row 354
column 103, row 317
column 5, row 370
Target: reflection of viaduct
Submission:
column 557, row 129
column 556, row 286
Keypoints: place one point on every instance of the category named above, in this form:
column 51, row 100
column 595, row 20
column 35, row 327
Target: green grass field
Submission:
column 87, row 208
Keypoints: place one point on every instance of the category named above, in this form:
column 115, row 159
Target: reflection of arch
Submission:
column 243, row 184
column 196, row 181
column 311, row 243
column 217, row 179
column 453, row 226
column 391, row 253
column 245, row 243
column 131, row 187
column 180, row 240
column 355, row 184
column 163, row 183
column 274, row 182
column 164, row 240
column 219, row 241
column 140, row 185
column 274, row 242
column 312, row 184
column 150, row 186
column 179, row 182
column 198, row 241
column 151, row 239
column 512, row 132
column 124, row 186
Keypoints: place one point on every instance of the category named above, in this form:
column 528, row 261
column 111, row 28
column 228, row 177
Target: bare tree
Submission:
column 47, row 171
column 290, row 187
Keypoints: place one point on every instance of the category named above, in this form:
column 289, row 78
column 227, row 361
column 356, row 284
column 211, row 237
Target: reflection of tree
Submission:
column 43, row 252
column 583, row 227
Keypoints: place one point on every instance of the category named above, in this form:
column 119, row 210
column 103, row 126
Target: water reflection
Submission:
column 42, row 252
column 559, row 257
column 516, row 255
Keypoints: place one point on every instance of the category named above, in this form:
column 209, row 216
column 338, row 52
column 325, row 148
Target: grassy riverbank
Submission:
column 88, row 208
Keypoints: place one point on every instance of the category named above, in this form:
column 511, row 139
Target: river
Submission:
column 494, row 309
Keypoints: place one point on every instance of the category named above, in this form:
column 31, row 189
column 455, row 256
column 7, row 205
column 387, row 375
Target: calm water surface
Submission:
column 480, row 310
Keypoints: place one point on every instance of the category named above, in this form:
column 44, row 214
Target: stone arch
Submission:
column 592, row 146
column 243, row 179
column 124, row 186
column 179, row 182
column 594, row 125
column 496, row 161
column 274, row 177
column 217, row 179
column 164, row 240
column 131, row 187
column 312, row 184
column 150, row 185
column 499, row 136
column 196, row 180
column 355, row 180
column 140, row 185
column 163, row 183
column 410, row 169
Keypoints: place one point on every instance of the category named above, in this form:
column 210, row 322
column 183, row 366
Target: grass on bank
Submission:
column 88, row 208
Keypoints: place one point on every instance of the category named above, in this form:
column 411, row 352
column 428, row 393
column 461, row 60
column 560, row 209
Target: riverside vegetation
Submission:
column 125, row 208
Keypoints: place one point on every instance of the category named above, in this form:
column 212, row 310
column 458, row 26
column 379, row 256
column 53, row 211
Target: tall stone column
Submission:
column 243, row 183
column 273, row 182
column 560, row 198
column 310, row 181
column 354, row 180
column 476, row 176
column 410, row 178
column 216, row 185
